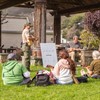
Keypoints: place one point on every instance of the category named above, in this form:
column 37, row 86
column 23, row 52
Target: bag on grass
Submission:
column 82, row 79
column 42, row 80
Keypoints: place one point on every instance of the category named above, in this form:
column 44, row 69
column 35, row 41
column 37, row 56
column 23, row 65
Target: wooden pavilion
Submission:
column 58, row 7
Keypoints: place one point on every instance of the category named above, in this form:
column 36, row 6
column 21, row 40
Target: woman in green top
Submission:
column 14, row 72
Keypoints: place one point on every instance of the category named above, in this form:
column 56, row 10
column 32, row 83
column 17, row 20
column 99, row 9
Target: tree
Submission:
column 89, row 40
column 92, row 22
column 73, row 24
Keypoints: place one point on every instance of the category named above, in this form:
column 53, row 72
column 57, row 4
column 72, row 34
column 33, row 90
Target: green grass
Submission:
column 83, row 91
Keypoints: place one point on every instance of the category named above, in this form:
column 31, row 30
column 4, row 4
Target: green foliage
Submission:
column 85, row 91
column 65, row 23
column 75, row 19
column 89, row 40
column 92, row 22
column 64, row 33
column 70, row 21
column 72, row 26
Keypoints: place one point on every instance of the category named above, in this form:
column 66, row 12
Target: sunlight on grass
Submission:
column 84, row 91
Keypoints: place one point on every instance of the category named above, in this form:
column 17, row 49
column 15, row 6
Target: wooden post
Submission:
column 0, row 28
column 40, row 21
column 86, row 57
column 57, row 28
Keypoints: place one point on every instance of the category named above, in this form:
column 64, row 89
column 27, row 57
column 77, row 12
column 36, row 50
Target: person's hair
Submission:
column 64, row 53
column 96, row 54
column 72, row 65
column 75, row 37
column 18, row 57
column 71, row 62
column 27, row 24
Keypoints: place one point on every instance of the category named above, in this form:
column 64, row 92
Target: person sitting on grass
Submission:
column 64, row 68
column 94, row 69
column 14, row 72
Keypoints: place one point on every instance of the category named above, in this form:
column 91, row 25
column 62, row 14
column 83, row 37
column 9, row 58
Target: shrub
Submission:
column 89, row 40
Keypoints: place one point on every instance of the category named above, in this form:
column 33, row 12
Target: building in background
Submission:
column 12, row 30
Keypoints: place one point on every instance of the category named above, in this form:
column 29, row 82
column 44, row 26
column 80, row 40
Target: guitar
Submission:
column 74, row 49
column 31, row 40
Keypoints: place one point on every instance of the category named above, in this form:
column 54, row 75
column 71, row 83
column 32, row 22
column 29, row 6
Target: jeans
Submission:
column 25, row 81
column 60, row 82
column 96, row 76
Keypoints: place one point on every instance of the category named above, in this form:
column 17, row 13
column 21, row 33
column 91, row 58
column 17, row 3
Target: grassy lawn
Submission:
column 83, row 91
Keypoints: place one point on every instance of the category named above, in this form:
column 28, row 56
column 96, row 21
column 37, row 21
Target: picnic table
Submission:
column 7, row 50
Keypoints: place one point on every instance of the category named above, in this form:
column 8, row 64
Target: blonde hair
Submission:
column 96, row 54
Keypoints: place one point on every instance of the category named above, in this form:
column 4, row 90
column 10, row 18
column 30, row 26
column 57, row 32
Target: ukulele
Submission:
column 31, row 40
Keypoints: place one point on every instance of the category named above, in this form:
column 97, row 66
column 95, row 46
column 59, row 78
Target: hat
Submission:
column 28, row 24
column 11, row 56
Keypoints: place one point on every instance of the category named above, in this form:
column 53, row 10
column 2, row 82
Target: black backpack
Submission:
column 40, row 80
column 82, row 79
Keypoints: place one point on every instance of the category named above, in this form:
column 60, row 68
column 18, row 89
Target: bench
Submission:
column 3, row 57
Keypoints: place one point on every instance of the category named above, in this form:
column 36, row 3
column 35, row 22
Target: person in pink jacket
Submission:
column 62, row 71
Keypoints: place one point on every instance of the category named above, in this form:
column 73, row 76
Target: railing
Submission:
column 7, row 50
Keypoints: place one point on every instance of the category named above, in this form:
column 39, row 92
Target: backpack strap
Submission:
column 31, row 81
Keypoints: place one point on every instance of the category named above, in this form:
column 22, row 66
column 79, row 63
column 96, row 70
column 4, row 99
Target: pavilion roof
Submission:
column 60, row 6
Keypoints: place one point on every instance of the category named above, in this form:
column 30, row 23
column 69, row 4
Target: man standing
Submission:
column 74, row 48
column 26, row 43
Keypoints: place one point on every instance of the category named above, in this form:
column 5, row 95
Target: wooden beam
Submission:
column 40, row 1
column 50, row 5
column 10, row 3
column 29, row 4
column 0, row 28
column 53, row 6
column 40, row 21
column 78, row 9
column 63, row 2
column 26, row 6
column 57, row 28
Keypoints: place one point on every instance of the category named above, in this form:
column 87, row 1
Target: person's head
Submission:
column 13, row 56
column 18, row 51
column 75, row 39
column 27, row 26
column 96, row 54
column 63, row 54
